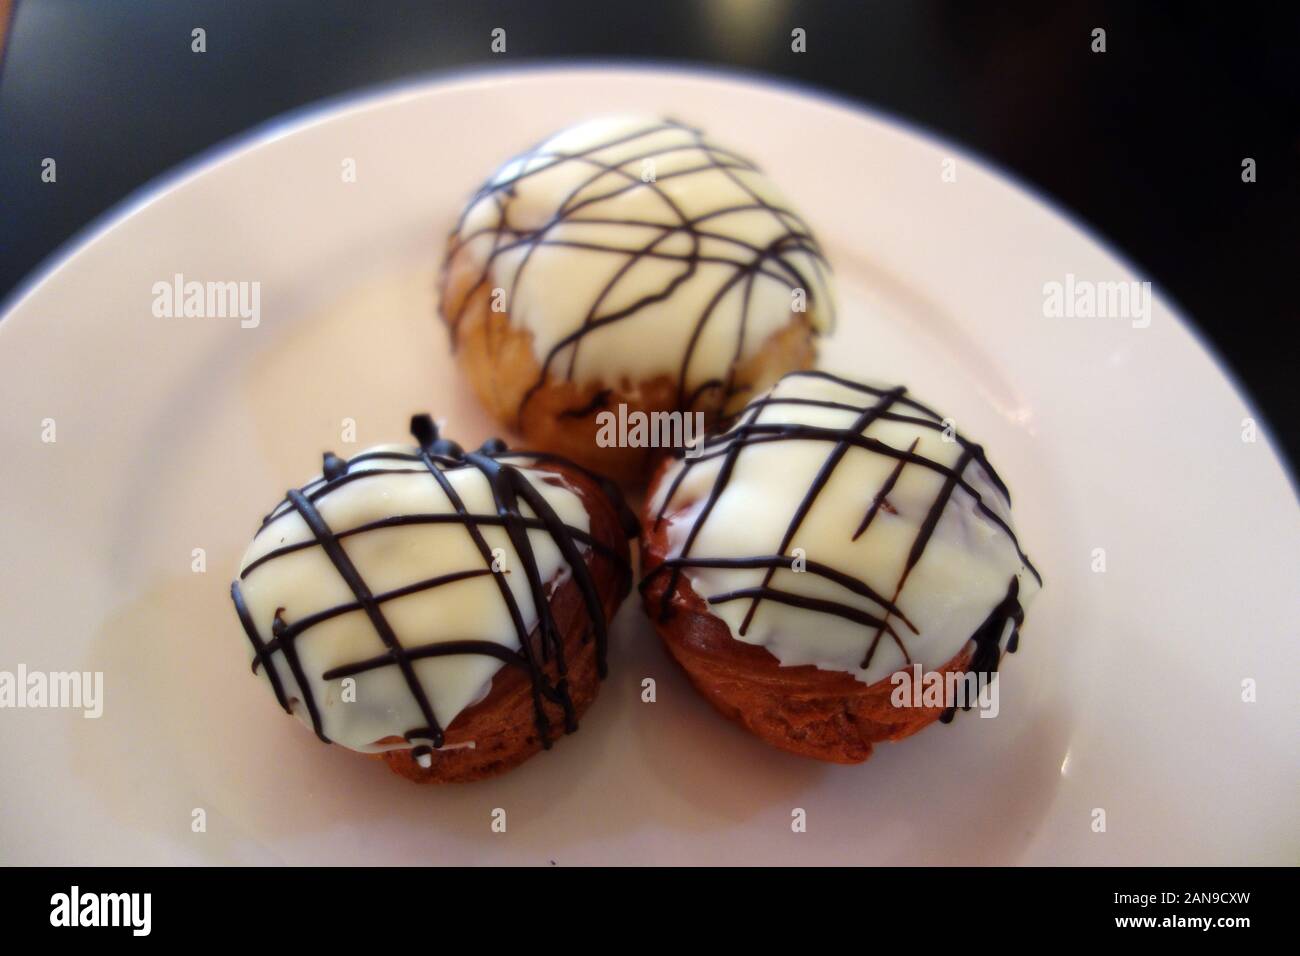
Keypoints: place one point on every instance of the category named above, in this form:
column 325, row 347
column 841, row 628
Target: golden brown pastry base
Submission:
column 560, row 417
column 503, row 726
column 816, row 713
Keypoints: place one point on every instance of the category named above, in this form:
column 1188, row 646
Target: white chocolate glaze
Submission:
column 286, row 570
column 963, row 564
column 633, row 248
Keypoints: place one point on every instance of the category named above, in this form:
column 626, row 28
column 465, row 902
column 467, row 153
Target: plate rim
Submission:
column 420, row 95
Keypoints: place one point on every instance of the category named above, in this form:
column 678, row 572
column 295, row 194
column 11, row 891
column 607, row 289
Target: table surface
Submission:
column 1143, row 143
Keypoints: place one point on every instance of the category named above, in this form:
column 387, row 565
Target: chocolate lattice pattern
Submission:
column 790, row 257
column 878, row 405
column 510, row 487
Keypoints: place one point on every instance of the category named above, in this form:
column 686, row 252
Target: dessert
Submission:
column 630, row 262
column 836, row 534
column 445, row 610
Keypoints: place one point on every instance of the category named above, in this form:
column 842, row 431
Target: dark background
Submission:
column 1143, row 143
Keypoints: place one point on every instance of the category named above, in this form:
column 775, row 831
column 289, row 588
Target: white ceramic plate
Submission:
column 177, row 434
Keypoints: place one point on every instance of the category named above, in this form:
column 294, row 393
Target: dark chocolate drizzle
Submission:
column 988, row 640
column 776, row 260
column 731, row 439
column 510, row 490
